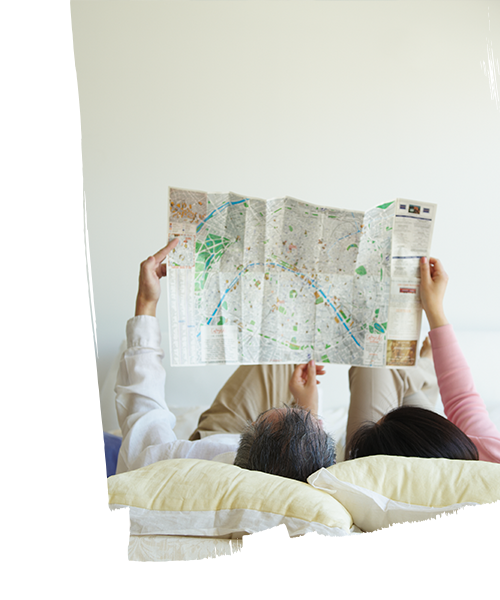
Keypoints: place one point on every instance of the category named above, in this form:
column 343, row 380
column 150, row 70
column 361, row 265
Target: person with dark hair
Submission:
column 391, row 410
column 412, row 431
column 264, row 418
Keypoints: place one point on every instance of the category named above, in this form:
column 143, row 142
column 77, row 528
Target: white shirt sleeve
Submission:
column 146, row 423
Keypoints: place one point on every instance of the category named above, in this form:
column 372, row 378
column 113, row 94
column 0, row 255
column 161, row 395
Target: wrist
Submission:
column 308, row 403
column 145, row 307
column 437, row 320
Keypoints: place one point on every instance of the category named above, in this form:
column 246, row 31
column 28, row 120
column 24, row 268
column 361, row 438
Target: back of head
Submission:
column 291, row 444
column 412, row 431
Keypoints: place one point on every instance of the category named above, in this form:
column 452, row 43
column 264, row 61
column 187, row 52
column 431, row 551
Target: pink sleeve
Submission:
column 462, row 404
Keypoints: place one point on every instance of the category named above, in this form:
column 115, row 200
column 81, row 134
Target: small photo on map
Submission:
column 413, row 208
column 401, row 353
column 187, row 205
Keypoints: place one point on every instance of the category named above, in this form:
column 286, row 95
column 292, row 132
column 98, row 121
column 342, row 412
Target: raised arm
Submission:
column 303, row 385
column 463, row 406
column 152, row 270
column 143, row 416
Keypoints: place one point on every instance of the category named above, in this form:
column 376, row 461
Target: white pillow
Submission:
column 379, row 491
column 205, row 498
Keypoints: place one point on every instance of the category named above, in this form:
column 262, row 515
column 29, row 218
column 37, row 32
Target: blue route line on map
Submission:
column 226, row 205
column 291, row 271
column 216, row 210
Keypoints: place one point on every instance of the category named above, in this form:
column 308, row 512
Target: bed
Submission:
column 177, row 513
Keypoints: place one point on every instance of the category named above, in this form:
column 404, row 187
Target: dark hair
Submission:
column 412, row 431
column 292, row 445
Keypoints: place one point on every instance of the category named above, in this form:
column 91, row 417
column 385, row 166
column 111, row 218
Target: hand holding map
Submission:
column 434, row 280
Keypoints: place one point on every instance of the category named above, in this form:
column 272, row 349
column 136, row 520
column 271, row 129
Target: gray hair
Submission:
column 293, row 445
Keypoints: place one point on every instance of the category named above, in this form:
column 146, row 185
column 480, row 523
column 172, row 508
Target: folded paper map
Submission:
column 283, row 281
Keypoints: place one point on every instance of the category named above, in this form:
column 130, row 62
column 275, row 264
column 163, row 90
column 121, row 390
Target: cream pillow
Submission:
column 379, row 491
column 195, row 497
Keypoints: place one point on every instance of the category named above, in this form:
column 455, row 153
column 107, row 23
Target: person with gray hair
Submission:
column 274, row 408
column 289, row 442
column 264, row 418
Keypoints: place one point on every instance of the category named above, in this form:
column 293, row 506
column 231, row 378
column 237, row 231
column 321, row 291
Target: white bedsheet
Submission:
column 166, row 547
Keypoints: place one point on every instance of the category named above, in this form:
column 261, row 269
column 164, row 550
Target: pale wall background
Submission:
column 345, row 104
